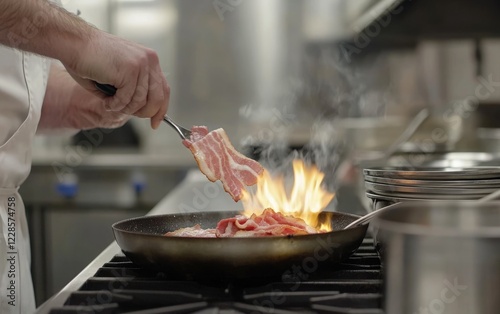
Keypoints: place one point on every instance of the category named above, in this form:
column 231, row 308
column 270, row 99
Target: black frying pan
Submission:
column 142, row 240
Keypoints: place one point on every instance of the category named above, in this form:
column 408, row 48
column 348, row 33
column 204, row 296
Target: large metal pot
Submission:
column 441, row 257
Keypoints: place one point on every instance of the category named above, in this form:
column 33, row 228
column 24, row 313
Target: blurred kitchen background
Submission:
column 343, row 78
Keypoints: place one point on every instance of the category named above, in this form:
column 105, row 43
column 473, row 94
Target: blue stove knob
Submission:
column 68, row 186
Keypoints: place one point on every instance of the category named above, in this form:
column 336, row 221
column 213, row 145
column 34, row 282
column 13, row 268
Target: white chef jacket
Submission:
column 23, row 80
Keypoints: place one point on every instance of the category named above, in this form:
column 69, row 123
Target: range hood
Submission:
column 412, row 20
column 363, row 13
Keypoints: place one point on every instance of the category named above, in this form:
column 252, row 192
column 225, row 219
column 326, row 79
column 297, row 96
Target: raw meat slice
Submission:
column 218, row 160
column 269, row 223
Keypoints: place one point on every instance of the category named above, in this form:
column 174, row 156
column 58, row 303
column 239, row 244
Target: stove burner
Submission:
column 122, row 287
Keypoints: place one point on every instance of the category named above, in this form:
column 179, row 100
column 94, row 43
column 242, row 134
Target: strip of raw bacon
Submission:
column 218, row 160
column 195, row 231
column 269, row 223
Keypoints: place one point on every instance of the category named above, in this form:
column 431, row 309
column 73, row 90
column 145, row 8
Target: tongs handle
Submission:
column 110, row 90
column 106, row 89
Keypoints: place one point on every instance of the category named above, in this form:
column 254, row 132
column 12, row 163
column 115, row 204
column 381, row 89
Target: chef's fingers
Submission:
column 116, row 120
column 87, row 84
column 162, row 111
column 156, row 96
column 140, row 97
column 125, row 90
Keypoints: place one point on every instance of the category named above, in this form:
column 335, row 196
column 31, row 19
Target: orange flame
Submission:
column 306, row 200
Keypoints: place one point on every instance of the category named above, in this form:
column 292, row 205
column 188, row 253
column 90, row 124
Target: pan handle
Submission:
column 368, row 217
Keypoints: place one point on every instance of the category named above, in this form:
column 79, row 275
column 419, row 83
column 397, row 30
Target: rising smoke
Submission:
column 330, row 90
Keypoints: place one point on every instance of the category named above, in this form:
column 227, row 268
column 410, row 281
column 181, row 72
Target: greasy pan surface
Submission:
column 142, row 240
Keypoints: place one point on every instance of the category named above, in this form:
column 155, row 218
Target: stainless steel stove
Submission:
column 113, row 284
column 119, row 286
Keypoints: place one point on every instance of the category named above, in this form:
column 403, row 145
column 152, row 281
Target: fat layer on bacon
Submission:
column 269, row 223
column 218, row 160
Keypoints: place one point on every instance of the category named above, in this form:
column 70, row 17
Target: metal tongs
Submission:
column 184, row 133
column 110, row 90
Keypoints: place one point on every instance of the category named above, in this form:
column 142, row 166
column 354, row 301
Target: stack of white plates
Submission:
column 396, row 184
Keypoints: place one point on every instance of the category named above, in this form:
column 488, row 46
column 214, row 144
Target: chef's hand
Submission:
column 85, row 111
column 89, row 55
column 67, row 105
column 142, row 89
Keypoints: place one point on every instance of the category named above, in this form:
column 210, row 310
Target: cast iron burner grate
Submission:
column 120, row 286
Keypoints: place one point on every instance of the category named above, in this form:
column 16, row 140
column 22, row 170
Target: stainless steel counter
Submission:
column 195, row 193
column 71, row 157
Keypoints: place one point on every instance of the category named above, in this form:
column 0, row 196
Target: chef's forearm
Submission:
column 43, row 28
